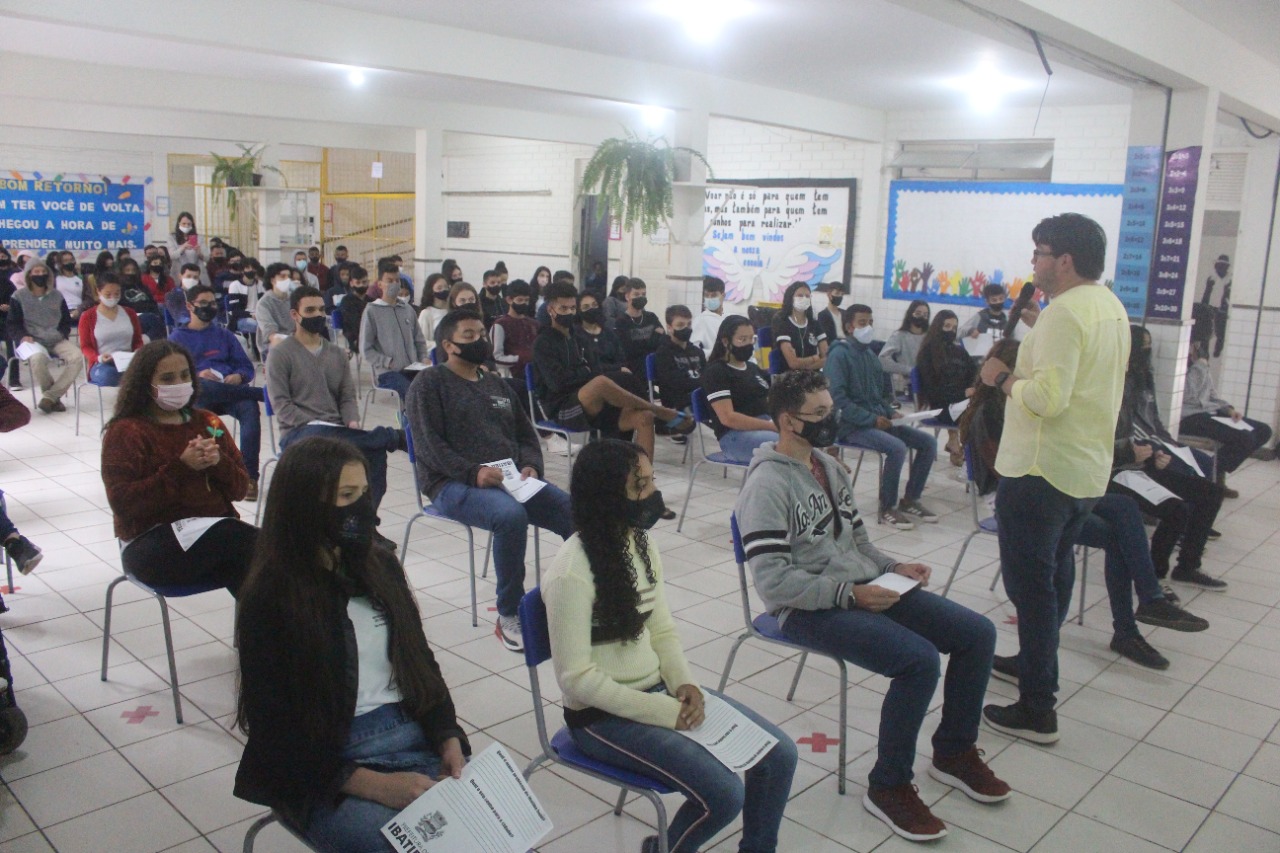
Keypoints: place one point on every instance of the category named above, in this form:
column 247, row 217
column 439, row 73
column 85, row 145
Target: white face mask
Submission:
column 189, row 283
column 185, row 229
column 111, row 302
column 801, row 303
column 863, row 335
column 282, row 286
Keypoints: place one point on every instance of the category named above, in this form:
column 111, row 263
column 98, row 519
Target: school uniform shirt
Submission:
column 803, row 339
column 678, row 372
column 746, row 387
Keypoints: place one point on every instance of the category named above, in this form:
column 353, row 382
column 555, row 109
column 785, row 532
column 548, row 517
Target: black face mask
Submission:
column 40, row 280
column 919, row 323
column 525, row 310
column 351, row 528
column 682, row 335
column 948, row 337
column 996, row 309
column 821, row 433
column 644, row 513
column 440, row 295
column 564, row 321
column 69, row 269
column 742, row 353
column 594, row 316
column 639, row 302
column 476, row 352
column 206, row 313
column 316, row 325
column 1140, row 362
column 835, row 300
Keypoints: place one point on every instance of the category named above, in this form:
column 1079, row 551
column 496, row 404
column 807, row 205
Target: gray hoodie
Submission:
column 804, row 553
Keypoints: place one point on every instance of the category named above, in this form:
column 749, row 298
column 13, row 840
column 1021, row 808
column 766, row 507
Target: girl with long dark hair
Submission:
column 737, row 391
column 796, row 333
column 137, row 297
column 898, row 355
column 348, row 717
column 627, row 687
column 172, row 472
column 947, row 373
column 184, row 247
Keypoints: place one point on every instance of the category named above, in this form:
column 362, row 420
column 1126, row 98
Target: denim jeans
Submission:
column 508, row 519
column 106, row 375
column 740, row 444
column 7, row 527
column 894, row 444
column 240, row 402
column 714, row 794
column 394, row 380
column 385, row 740
column 373, row 443
column 1115, row 525
column 1237, row 444
column 903, row 643
column 1038, row 528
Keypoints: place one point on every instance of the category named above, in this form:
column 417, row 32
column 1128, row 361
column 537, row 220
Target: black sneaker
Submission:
column 679, row 439
column 1165, row 614
column 649, row 845
column 1169, row 595
column 1195, row 577
column 1213, row 534
column 1138, row 650
column 1020, row 721
column 1005, row 668
column 24, row 555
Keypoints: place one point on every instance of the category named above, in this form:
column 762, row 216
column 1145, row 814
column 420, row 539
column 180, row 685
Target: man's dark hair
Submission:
column 1078, row 236
column 356, row 272
column 275, row 270
column 449, row 322
column 848, row 314
column 488, row 274
column 788, row 391
column 340, row 248
column 633, row 283
column 519, row 287
column 711, row 284
column 993, row 290
column 189, row 268
column 674, row 311
column 563, row 275
column 196, row 291
column 386, row 265
column 560, row 290
column 301, row 293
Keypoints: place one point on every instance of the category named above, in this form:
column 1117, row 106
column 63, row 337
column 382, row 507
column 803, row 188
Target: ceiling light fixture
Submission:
column 987, row 87
column 704, row 19
column 654, row 118
column 356, row 77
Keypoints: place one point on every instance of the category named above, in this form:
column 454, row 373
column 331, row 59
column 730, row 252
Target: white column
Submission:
column 428, row 202
column 683, row 273
column 268, row 207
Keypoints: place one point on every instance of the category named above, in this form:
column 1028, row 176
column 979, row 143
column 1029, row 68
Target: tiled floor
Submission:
column 1188, row 759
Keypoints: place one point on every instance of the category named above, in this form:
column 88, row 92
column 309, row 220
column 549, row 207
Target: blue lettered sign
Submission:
column 1137, row 227
column 79, row 216
column 1171, row 253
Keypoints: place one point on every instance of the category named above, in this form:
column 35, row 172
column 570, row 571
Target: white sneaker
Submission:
column 556, row 444
column 507, row 630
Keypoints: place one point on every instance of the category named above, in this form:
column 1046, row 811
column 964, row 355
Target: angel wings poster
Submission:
column 764, row 234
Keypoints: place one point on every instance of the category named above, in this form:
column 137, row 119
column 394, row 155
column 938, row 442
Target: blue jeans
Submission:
column 105, row 375
column 1116, row 526
column 1039, row 527
column 373, row 443
column 385, row 740
column 240, row 402
column 394, row 380
column 740, row 444
column 903, row 643
column 894, row 444
column 714, row 795
column 508, row 519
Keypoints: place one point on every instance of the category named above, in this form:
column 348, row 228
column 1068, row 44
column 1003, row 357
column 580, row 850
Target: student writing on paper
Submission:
column 1201, row 404
column 163, row 461
column 627, row 686
column 348, row 716
column 38, row 315
column 811, row 558
column 463, row 416
column 946, row 375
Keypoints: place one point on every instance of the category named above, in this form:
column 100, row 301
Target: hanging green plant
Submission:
column 633, row 178
column 243, row 171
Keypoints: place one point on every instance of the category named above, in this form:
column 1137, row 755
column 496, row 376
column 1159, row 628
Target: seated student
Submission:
column 313, row 393
column 38, row 315
column 638, row 329
column 1201, row 404
column 992, row 319
column 68, row 282
column 576, row 394
column 390, row 339
column 242, row 299
column 275, row 322
column 106, row 329
column 354, row 304
column 26, row 556
column 1115, row 525
column 796, row 334
column 706, row 325
column 737, row 391
column 947, row 373
column 1186, row 520
column 337, row 286
column 347, row 714
column 608, row 348
column 316, row 266
column 233, row 272
column 831, row 318
column 867, row 419
column 678, row 365
column 165, row 461
column 898, row 355
column 463, row 416
column 434, row 305
column 812, row 559
column 540, row 314
column 226, row 376
column 300, row 263
column 406, row 281
column 628, row 690
column 615, row 304
column 135, row 296
column 175, row 301
column 491, row 302
column 513, row 333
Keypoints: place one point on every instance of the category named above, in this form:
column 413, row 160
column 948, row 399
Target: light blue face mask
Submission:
column 713, row 303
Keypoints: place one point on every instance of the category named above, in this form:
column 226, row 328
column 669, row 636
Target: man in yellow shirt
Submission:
column 1056, row 453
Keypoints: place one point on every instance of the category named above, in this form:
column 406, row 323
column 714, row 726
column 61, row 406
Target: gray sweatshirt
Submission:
column 306, row 386
column 804, row 552
column 44, row 318
column 900, row 351
column 1200, row 397
column 390, row 338
column 272, row 314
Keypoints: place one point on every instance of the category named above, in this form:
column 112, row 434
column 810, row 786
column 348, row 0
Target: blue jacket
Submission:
column 857, row 384
column 213, row 347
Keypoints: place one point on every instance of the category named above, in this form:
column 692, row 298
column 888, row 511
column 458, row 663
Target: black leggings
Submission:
column 222, row 555
column 1188, row 519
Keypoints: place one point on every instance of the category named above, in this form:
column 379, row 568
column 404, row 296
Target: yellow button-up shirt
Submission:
column 1060, row 420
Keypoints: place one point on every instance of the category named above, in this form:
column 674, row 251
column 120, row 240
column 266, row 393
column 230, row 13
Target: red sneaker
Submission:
column 968, row 772
column 902, row 811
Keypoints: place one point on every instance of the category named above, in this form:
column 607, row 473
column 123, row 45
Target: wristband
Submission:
column 1001, row 378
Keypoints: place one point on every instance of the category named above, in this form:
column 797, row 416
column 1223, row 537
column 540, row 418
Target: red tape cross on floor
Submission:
column 818, row 742
column 137, row 715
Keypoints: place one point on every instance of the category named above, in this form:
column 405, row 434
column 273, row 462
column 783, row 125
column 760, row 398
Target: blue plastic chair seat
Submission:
column 568, row 752
column 722, row 458
column 989, row 525
column 768, row 626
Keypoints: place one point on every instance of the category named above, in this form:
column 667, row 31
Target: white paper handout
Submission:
column 26, row 349
column 519, row 489
column 122, row 360
column 1185, row 454
column 491, row 809
column 981, row 345
column 1234, row 424
column 918, row 416
column 729, row 735
column 417, row 365
column 1142, row 483
column 322, row 423
column 901, row 584
column 957, row 409
column 189, row 530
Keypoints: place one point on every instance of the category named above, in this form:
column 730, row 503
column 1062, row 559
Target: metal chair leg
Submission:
column 728, row 664
column 173, row 665
column 693, row 472
column 995, row 580
column 844, row 721
column 662, row 820
column 622, row 799
column 959, row 558
column 1084, row 576
column 471, row 555
column 795, row 679
column 106, row 623
column 252, row 834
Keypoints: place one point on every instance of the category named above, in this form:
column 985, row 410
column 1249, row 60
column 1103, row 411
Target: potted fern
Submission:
column 634, row 178
column 244, row 170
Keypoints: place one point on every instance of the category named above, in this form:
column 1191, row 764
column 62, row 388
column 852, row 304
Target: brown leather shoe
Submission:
column 968, row 772
column 252, row 493
column 45, row 406
column 902, row 810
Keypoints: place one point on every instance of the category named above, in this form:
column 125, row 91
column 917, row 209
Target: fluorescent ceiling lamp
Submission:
column 356, row 77
column 987, row 87
column 704, row 19
column 654, row 118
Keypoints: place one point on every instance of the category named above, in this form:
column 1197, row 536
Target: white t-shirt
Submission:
column 375, row 686
column 427, row 322
column 705, row 326
column 72, row 289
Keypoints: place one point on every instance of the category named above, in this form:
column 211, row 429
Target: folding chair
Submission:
column 702, row 415
column 651, row 374
column 980, row 525
column 373, row 390
column 935, row 424
column 266, row 820
column 54, row 361
column 1084, row 576
column 102, row 412
column 765, row 627
column 542, row 422
column 271, row 460
column 1207, row 446
column 560, row 749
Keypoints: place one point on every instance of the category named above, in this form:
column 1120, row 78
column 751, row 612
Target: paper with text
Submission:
column 1234, row 424
column 491, row 809
column 981, row 345
column 1142, row 483
column 730, row 736
column 189, row 530
column 900, row 584
column 519, row 489
column 122, row 360
column 958, row 409
column 26, row 349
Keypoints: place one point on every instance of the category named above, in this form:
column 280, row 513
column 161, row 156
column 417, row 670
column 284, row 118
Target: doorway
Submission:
column 593, row 246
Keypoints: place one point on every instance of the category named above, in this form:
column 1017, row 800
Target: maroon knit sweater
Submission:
column 147, row 484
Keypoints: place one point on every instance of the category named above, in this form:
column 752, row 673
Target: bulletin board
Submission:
column 948, row 239
column 764, row 234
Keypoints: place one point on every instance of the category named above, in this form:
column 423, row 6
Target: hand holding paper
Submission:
column 515, row 482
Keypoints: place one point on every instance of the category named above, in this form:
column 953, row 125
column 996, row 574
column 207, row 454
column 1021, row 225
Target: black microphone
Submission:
column 1015, row 313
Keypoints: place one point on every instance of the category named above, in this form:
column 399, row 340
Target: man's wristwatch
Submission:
column 1001, row 378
